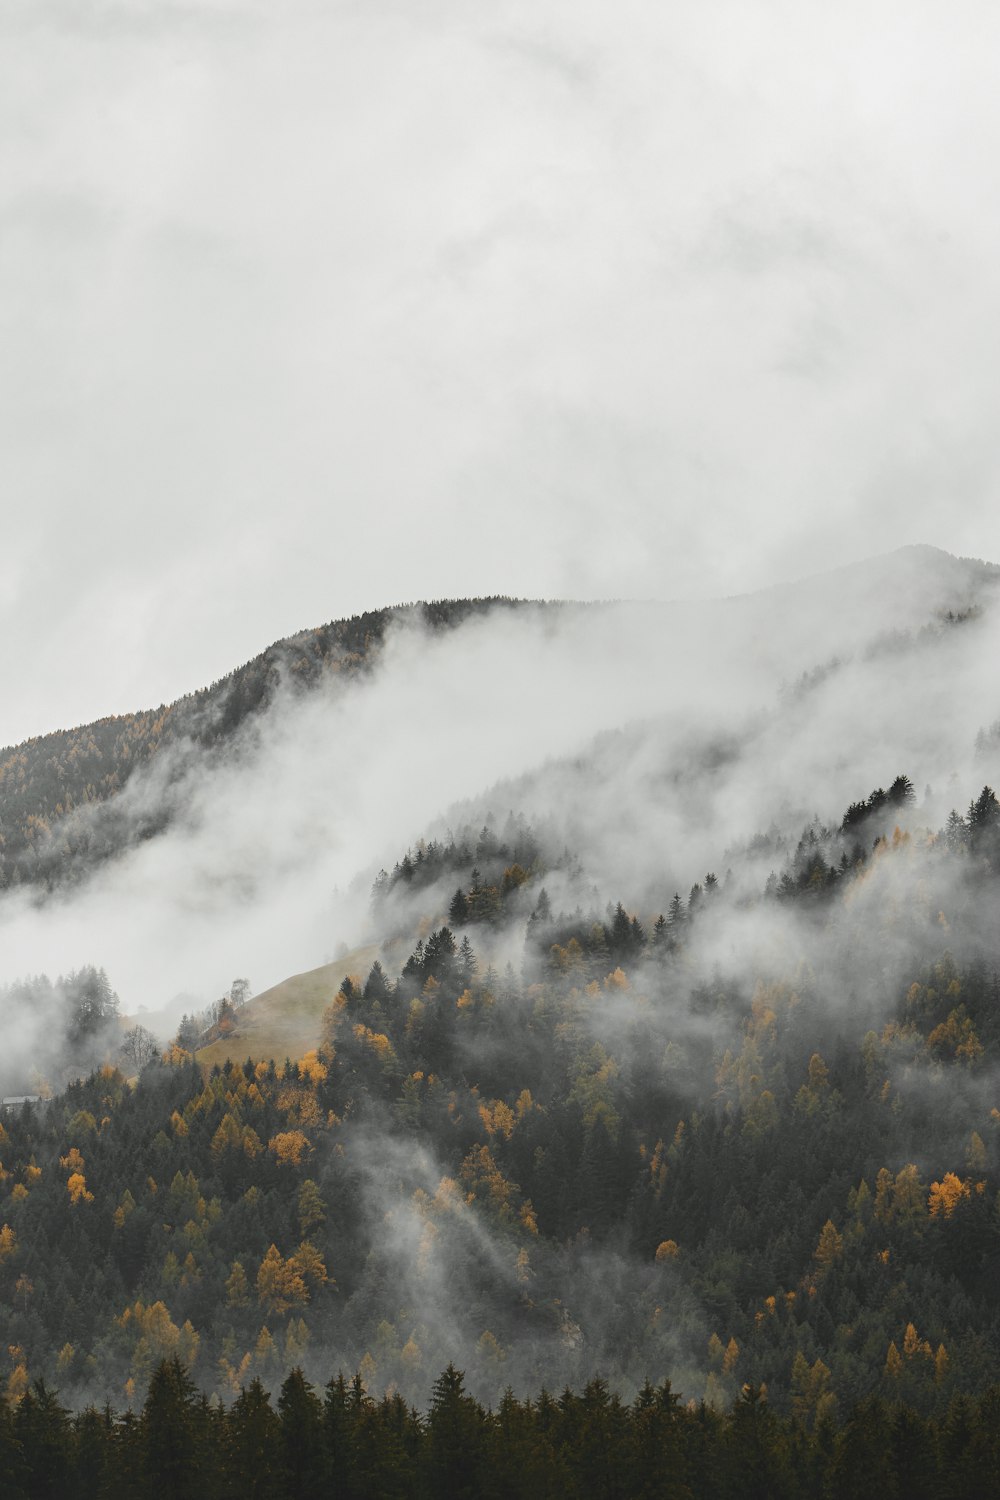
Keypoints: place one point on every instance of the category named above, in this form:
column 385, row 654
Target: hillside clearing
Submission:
column 286, row 1020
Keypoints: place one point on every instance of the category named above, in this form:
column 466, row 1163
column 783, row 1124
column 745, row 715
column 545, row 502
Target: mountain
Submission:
column 63, row 811
column 58, row 791
column 665, row 1047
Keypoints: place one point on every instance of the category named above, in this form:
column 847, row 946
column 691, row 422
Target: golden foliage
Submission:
column 900, row 1199
column 941, row 1365
column 279, row 1284
column 300, row 1107
column 237, row 1286
column 289, row 1146
column 946, row 1195
column 312, row 1068
column 17, row 1384
column 125, row 1207
column 830, row 1247
column 485, row 1182
column 157, row 1337
column 77, row 1189
column 812, row 1398
column 914, row 1345
column 228, row 1137
column 956, row 1038
column 378, row 1043
column 498, row 1119
column 309, row 1264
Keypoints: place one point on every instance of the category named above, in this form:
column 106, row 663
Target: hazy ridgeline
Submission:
column 706, row 1094
column 651, row 738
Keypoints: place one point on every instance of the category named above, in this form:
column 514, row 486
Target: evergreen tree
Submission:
column 174, row 1451
column 456, row 1451
column 301, row 1418
column 43, row 1432
column 254, row 1448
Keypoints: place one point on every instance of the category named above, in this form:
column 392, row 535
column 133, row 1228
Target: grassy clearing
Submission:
column 286, row 1020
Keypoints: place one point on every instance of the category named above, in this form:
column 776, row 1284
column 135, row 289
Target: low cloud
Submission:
column 268, row 863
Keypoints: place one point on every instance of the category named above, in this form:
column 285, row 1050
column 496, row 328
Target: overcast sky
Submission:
column 306, row 308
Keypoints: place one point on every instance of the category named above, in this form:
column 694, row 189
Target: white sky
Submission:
column 307, row 308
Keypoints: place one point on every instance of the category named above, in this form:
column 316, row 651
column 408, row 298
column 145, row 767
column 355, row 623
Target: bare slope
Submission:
column 285, row 1021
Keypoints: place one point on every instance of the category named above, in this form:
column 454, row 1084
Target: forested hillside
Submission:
column 645, row 1141
column 607, row 1159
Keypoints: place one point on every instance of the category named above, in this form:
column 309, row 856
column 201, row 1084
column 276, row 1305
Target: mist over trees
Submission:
column 56, row 1030
column 618, row 1156
column 60, row 816
column 674, row 1074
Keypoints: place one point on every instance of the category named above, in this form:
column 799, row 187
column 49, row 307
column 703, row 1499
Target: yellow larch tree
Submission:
column 76, row 1186
column 237, row 1286
column 830, row 1247
column 289, row 1147
column 946, row 1195
column 280, row 1286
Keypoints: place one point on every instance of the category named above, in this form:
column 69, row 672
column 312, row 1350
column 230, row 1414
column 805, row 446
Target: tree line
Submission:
column 588, row 1444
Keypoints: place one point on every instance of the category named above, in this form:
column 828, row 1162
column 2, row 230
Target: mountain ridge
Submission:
column 61, row 813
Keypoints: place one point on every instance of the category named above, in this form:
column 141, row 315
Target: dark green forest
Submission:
column 339, row 1440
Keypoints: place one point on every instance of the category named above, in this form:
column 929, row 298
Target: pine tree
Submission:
column 42, row 1428
column 252, row 1459
column 174, row 1451
column 301, row 1417
column 456, row 1440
